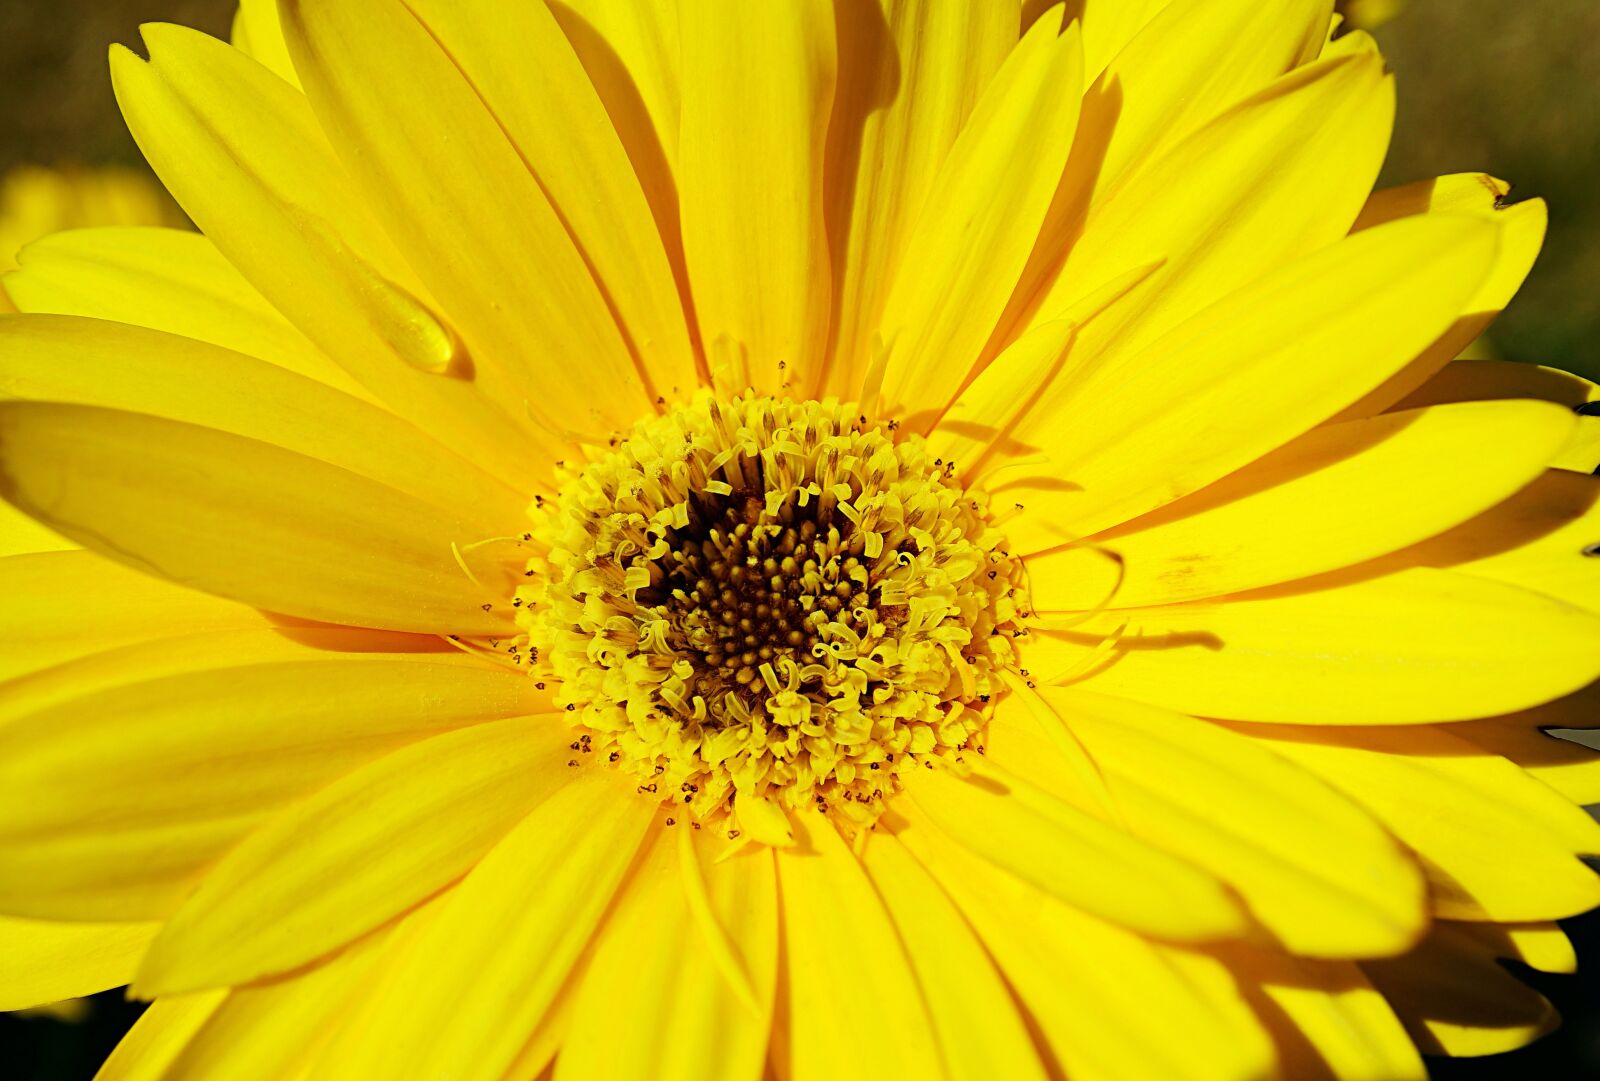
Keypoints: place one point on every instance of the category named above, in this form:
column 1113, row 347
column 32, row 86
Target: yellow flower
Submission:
column 683, row 540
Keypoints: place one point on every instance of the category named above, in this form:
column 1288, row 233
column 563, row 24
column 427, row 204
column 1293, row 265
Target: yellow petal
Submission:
column 166, row 279
column 1328, row 1021
column 464, row 998
column 1046, row 842
column 1540, row 539
column 957, row 978
column 159, row 1037
column 1455, row 999
column 910, row 72
column 1480, row 380
column 1188, row 63
column 1185, row 65
column 64, row 605
column 1453, row 193
column 270, row 1031
column 1116, row 1015
column 1544, row 945
column 1565, row 759
column 844, row 962
column 21, row 535
column 1522, row 230
column 1417, row 646
column 1108, row 25
column 763, row 819
column 981, row 416
column 631, row 54
column 448, row 164
column 243, row 519
column 126, row 774
column 92, row 362
column 758, row 84
column 47, row 962
column 979, row 421
column 1206, row 795
column 980, row 220
column 1508, row 848
column 1294, row 513
column 652, row 967
column 243, row 154
column 532, row 81
column 328, row 869
column 1242, row 378
column 1272, row 179
column 258, row 34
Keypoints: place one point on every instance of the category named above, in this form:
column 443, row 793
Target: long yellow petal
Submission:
column 982, row 215
column 1565, row 759
column 272, row 1030
column 1482, row 380
column 1418, row 646
column 1455, row 999
column 243, row 519
column 653, row 967
column 47, row 962
column 1275, row 178
column 957, row 978
column 844, row 961
column 1116, row 1015
column 533, row 83
column 758, row 82
column 462, row 189
column 631, row 54
column 166, row 279
column 1508, row 848
column 1541, row 539
column 258, row 34
column 1189, row 62
column 21, row 535
column 126, row 774
column 910, row 72
column 1522, row 230
column 1242, row 378
column 1108, row 25
column 242, row 153
column 1329, row 1023
column 463, row 1000
column 159, row 1037
column 68, row 604
column 1412, row 475
column 1244, row 814
column 1542, row 945
column 1046, row 842
column 359, row 851
column 93, row 362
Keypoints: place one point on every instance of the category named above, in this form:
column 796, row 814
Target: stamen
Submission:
column 764, row 600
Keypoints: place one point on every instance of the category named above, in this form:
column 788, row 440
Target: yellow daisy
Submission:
column 801, row 539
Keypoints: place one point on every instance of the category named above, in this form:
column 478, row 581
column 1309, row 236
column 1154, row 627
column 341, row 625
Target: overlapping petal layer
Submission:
column 1298, row 581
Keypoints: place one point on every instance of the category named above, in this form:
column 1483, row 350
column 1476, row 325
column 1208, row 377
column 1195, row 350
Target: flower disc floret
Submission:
column 760, row 601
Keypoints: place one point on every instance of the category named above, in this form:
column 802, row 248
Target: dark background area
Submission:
column 1509, row 89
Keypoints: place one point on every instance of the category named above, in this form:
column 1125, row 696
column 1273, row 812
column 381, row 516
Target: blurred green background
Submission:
column 1509, row 89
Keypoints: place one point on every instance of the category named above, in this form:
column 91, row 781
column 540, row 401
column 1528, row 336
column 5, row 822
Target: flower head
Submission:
column 685, row 540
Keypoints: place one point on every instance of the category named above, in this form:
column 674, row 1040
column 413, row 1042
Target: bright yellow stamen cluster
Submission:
column 766, row 601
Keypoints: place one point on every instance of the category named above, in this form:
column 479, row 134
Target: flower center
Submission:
column 766, row 602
